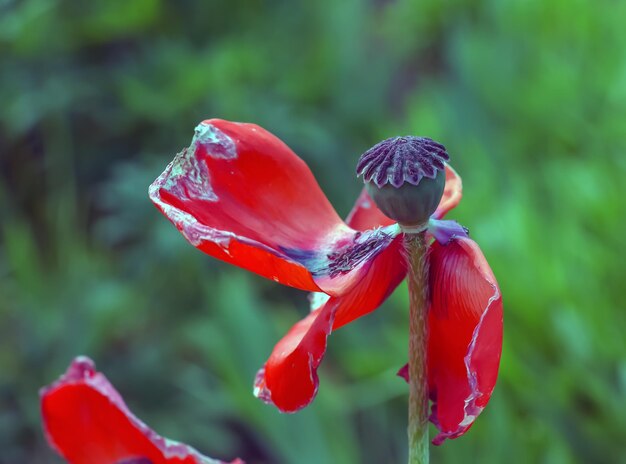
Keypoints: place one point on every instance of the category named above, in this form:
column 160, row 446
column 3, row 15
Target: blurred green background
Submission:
column 96, row 97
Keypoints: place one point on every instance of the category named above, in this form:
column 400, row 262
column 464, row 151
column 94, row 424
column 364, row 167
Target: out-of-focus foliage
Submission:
column 529, row 96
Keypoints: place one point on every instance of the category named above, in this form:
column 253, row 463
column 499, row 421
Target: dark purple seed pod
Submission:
column 405, row 176
column 402, row 159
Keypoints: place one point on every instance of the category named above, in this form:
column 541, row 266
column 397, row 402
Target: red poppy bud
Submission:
column 405, row 176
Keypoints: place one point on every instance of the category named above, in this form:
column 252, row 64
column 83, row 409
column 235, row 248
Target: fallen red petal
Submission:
column 86, row 421
column 465, row 335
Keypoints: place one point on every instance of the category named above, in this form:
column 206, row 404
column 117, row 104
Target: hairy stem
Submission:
column 418, row 340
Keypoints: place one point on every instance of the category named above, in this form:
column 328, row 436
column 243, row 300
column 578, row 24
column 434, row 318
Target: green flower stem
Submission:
column 416, row 248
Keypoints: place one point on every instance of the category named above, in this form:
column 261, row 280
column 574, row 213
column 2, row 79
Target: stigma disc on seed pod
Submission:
column 405, row 176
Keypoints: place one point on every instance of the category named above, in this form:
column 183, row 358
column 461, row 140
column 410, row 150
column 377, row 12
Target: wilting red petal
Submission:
column 465, row 338
column 289, row 378
column 86, row 421
column 452, row 193
column 241, row 195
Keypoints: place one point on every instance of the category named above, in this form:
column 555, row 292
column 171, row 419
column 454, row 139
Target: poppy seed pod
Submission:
column 405, row 176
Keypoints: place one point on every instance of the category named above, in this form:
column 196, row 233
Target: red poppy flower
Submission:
column 86, row 421
column 240, row 194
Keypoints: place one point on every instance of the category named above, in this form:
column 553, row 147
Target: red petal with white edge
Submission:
column 289, row 378
column 452, row 193
column 465, row 338
column 241, row 195
column 86, row 421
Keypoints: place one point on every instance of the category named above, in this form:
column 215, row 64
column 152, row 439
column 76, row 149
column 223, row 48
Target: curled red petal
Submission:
column 289, row 378
column 86, row 421
column 240, row 194
column 465, row 335
column 452, row 193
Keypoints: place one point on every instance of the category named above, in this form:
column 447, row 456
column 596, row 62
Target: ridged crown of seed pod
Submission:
column 405, row 176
